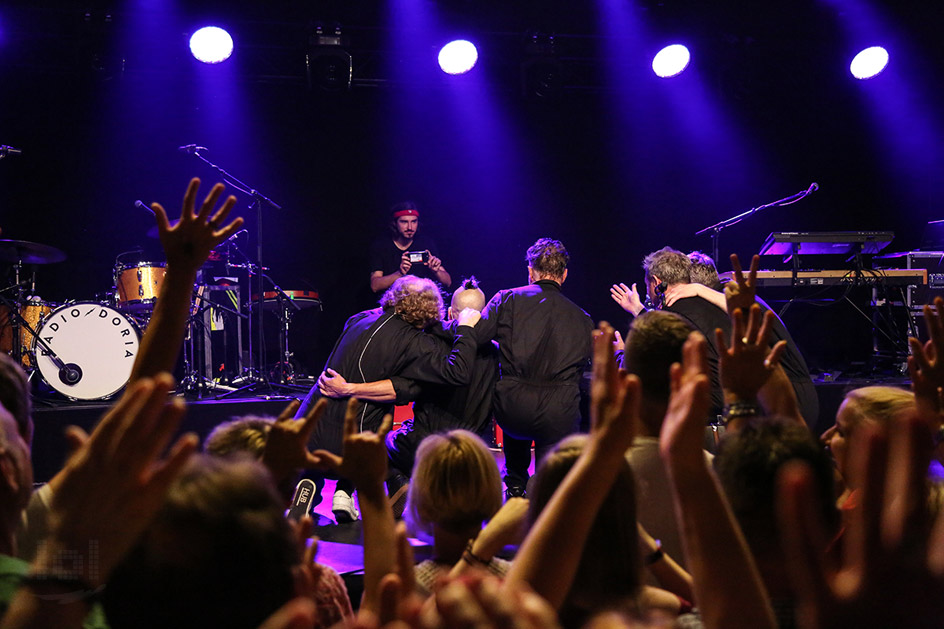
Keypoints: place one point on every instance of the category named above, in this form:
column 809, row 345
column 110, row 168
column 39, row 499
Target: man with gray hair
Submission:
column 669, row 267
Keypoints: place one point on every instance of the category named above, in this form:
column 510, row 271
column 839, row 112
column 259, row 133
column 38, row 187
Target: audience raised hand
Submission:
column 507, row 526
column 892, row 571
column 926, row 364
column 746, row 363
column 741, row 292
column 728, row 588
column 187, row 244
column 363, row 460
column 110, row 489
column 286, row 448
column 549, row 556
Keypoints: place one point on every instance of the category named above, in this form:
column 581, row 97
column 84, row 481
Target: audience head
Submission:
column 468, row 295
column 16, row 476
column 246, row 435
column 455, row 485
column 547, row 260
column 417, row 300
column 655, row 342
column 747, row 463
column 704, row 270
column 610, row 571
column 879, row 404
column 15, row 396
column 219, row 553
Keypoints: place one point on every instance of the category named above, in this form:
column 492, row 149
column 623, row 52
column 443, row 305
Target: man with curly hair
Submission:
column 544, row 342
column 384, row 342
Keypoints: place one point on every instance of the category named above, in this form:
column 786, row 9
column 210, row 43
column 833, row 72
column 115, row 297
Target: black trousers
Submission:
column 528, row 411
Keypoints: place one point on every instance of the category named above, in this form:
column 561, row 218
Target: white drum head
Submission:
column 100, row 340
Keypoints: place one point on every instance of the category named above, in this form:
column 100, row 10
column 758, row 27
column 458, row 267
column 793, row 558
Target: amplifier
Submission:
column 933, row 261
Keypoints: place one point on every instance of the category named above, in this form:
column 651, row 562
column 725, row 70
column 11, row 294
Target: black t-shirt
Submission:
column 441, row 407
column 376, row 345
column 385, row 256
column 705, row 317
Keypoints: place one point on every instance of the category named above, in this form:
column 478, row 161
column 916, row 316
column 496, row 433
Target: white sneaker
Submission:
column 343, row 507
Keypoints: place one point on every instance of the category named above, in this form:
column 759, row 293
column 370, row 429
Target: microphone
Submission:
column 8, row 150
column 237, row 234
column 191, row 149
column 138, row 204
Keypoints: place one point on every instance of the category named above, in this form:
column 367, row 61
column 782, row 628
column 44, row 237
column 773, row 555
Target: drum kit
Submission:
column 84, row 350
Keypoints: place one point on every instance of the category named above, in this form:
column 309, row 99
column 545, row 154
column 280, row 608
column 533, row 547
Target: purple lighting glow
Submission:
column 211, row 44
column 868, row 63
column 458, row 57
column 671, row 61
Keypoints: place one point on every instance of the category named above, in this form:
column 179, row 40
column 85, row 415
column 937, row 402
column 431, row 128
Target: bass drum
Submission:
column 99, row 340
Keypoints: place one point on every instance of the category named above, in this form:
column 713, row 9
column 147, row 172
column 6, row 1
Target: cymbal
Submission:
column 29, row 252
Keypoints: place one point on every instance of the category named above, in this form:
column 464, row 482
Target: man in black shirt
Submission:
column 390, row 260
column 707, row 284
column 437, row 407
column 544, row 344
column 387, row 341
column 702, row 310
column 668, row 267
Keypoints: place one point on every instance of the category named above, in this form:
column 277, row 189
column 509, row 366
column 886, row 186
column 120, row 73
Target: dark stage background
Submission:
column 616, row 162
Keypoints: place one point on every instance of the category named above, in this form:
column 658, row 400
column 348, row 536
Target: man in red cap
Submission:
column 407, row 254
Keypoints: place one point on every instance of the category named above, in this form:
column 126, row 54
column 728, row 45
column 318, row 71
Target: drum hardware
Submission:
column 259, row 200
column 194, row 380
column 284, row 304
column 279, row 377
column 20, row 252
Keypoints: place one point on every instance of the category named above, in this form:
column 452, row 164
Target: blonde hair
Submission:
column 244, row 435
column 455, row 484
column 879, row 404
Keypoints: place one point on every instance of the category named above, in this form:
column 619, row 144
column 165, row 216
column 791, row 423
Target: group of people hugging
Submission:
column 629, row 524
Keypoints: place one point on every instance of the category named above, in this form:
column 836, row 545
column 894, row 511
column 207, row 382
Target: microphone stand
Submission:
column 734, row 220
column 258, row 201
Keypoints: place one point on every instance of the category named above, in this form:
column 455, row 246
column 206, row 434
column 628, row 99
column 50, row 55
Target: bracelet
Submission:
column 655, row 556
column 79, row 589
column 736, row 410
column 471, row 558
